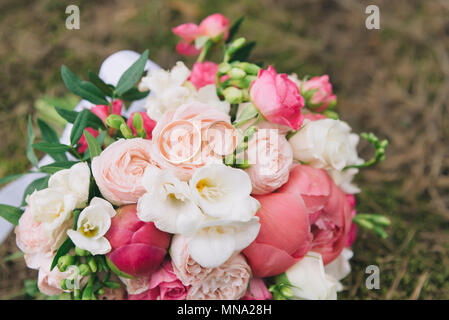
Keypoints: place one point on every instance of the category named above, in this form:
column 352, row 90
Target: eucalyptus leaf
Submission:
column 50, row 135
column 10, row 213
column 68, row 115
column 130, row 77
column 48, row 147
column 107, row 89
column 134, row 94
column 84, row 89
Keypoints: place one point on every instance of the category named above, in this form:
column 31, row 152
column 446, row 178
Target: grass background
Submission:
column 393, row 81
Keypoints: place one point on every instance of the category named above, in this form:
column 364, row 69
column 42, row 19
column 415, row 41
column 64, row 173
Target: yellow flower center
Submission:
column 88, row 230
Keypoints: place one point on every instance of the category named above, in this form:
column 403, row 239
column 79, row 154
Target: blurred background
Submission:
column 393, row 81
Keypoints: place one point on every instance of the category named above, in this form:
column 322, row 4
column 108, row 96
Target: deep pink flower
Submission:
column 352, row 234
column 257, row 290
column 323, row 95
column 82, row 143
column 277, row 98
column 103, row 111
column 203, row 73
column 148, row 124
column 138, row 248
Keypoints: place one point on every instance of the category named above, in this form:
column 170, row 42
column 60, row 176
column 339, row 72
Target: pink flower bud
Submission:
column 203, row 73
column 148, row 124
column 323, row 95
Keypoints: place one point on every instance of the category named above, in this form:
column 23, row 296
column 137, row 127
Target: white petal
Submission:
column 94, row 246
column 340, row 268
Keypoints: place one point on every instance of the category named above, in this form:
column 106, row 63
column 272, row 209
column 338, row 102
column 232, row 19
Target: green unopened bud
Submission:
column 81, row 252
column 114, row 121
column 100, row 291
column 138, row 121
column 63, row 284
column 233, row 48
column 84, row 269
column 64, row 262
column 233, row 95
column 224, row 68
column 126, row 131
column 92, row 264
column 236, row 73
column 249, row 68
column 380, row 232
column 331, row 114
column 287, row 292
column 364, row 223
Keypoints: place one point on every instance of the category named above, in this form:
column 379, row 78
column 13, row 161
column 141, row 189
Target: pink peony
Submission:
column 257, row 290
column 328, row 208
column 148, row 124
column 82, row 143
column 284, row 236
column 211, row 27
column 203, row 73
column 322, row 97
column 277, row 98
column 273, row 157
column 352, row 234
column 104, row 111
column 118, row 170
column 138, row 248
column 180, row 138
column 164, row 285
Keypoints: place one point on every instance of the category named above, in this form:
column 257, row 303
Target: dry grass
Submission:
column 393, row 81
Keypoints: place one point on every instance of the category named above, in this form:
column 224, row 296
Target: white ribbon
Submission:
column 110, row 72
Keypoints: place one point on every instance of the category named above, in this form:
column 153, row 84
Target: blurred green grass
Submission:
column 393, row 81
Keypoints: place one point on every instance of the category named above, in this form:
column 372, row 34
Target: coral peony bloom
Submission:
column 257, row 290
column 138, row 248
column 322, row 96
column 284, row 236
column 211, row 27
column 277, row 98
column 203, row 73
column 273, row 157
column 164, row 285
column 148, row 124
column 328, row 208
column 118, row 170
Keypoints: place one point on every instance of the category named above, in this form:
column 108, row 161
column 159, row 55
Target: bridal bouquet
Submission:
column 236, row 182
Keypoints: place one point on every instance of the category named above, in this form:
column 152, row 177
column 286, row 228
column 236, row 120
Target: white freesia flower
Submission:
column 168, row 203
column 93, row 223
column 170, row 90
column 340, row 268
column 330, row 145
column 309, row 280
column 75, row 180
column 53, row 208
column 214, row 211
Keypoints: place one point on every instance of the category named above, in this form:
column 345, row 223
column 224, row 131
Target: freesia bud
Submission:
column 80, row 252
column 64, row 262
column 233, row 95
column 92, row 264
column 126, row 131
column 84, row 269
column 237, row 74
column 114, row 121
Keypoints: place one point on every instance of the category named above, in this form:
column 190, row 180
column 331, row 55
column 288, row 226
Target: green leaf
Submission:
column 94, row 146
column 132, row 74
column 63, row 249
column 14, row 256
column 30, row 151
column 84, row 89
column 68, row 115
column 10, row 213
column 48, row 134
column 10, row 178
column 48, row 147
column 37, row 184
column 116, row 270
column 243, row 53
column 101, row 137
column 134, row 94
column 76, row 215
column 78, row 126
column 107, row 89
column 234, row 28
column 57, row 166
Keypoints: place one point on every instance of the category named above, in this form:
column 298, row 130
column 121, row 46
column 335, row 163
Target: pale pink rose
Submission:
column 211, row 27
column 180, row 140
column 118, row 170
column 148, row 124
column 49, row 282
column 32, row 240
column 271, row 157
column 277, row 98
column 257, row 290
column 203, row 73
column 323, row 95
column 113, row 294
column 226, row 282
column 186, row 269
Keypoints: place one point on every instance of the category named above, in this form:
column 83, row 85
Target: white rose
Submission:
column 214, row 211
column 328, row 144
column 75, row 180
column 93, row 223
column 340, row 268
column 53, row 208
column 309, row 280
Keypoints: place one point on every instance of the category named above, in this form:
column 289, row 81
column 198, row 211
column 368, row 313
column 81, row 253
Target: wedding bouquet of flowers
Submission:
column 236, row 182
